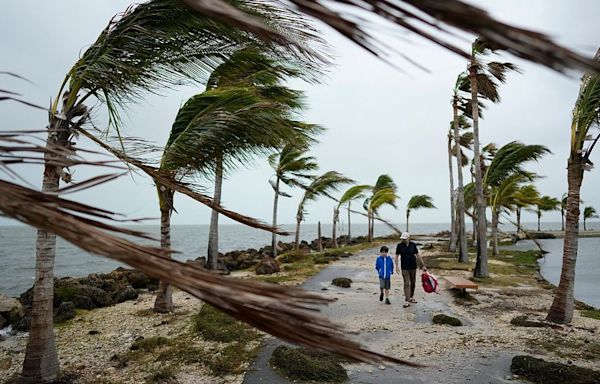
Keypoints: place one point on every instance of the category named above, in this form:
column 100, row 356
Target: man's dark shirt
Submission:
column 408, row 259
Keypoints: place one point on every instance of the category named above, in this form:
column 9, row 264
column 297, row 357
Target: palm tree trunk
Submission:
column 562, row 219
column 164, row 297
column 212, row 258
column 453, row 228
column 319, row 241
column 518, row 220
column 539, row 216
column 495, row 233
column 298, row 221
column 41, row 363
column 407, row 216
column 370, row 220
column 463, row 251
column 274, row 235
column 336, row 215
column 474, row 223
column 562, row 307
column 481, row 266
column 349, row 226
column 584, row 227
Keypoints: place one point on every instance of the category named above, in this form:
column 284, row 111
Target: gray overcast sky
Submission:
column 378, row 119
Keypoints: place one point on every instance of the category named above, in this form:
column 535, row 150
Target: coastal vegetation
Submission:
column 243, row 53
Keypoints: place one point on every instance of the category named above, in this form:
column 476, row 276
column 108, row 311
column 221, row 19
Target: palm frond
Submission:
column 590, row 213
column 384, row 182
column 429, row 19
column 547, row 203
column 353, row 193
column 510, row 159
column 381, row 197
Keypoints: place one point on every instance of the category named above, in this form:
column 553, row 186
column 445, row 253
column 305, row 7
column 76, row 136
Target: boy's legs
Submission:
column 387, row 290
column 381, row 287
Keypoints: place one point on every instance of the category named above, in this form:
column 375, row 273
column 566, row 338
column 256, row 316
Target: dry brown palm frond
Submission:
column 167, row 179
column 417, row 16
column 285, row 312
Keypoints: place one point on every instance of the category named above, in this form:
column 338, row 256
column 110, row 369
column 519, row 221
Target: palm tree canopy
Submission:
column 162, row 43
column 322, row 186
column 420, row 201
column 353, row 193
column 590, row 213
column 510, row 159
column 381, row 197
column 292, row 165
column 383, row 182
column 547, row 203
column 526, row 195
column 586, row 115
column 505, row 195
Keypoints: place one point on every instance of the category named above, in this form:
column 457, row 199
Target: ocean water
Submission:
column 17, row 248
column 587, row 269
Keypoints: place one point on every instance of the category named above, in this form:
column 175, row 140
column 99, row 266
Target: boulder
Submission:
column 448, row 320
column 267, row 266
column 127, row 293
column 11, row 310
column 64, row 312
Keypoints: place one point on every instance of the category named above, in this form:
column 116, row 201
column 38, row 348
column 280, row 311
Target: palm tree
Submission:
column 482, row 83
column 525, row 196
column 545, row 204
column 232, row 121
column 418, row 202
column 460, row 102
column 292, row 167
column 589, row 213
column 382, row 193
column 563, row 208
column 320, row 186
column 353, row 193
column 586, row 116
column 149, row 47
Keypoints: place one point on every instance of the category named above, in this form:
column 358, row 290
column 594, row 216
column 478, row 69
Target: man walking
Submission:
column 409, row 254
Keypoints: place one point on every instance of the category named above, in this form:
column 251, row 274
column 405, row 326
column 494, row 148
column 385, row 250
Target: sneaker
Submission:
column 387, row 301
column 413, row 301
column 381, row 297
column 405, row 305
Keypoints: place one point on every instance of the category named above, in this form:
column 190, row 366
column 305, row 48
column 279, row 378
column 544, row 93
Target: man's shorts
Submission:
column 384, row 283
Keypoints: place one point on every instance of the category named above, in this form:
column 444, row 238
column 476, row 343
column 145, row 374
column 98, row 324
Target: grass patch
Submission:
column 305, row 365
column 544, row 372
column 523, row 321
column 149, row 344
column 164, row 375
column 293, row 257
column 593, row 313
column 231, row 360
column 215, row 325
column 564, row 347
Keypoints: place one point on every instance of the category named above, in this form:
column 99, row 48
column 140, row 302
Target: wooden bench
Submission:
column 460, row 283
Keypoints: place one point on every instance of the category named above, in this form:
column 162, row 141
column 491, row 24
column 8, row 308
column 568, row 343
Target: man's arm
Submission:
column 396, row 264
column 419, row 258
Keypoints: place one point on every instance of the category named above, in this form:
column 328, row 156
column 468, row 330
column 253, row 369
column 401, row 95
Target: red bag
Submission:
column 430, row 283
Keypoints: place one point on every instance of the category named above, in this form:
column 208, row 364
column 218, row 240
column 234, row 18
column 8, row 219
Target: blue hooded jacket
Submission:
column 384, row 266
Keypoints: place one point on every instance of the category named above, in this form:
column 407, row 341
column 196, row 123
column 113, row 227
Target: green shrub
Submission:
column 343, row 282
column 149, row 344
column 304, row 365
column 445, row 319
column 293, row 257
column 164, row 375
column 215, row 325
column 544, row 372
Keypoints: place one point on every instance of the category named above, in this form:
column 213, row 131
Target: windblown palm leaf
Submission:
column 322, row 185
column 420, row 201
column 430, row 19
column 590, row 213
column 510, row 159
column 292, row 165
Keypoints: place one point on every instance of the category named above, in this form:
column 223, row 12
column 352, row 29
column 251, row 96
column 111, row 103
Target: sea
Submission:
column 17, row 251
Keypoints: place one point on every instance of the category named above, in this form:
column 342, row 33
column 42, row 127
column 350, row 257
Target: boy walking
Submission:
column 385, row 268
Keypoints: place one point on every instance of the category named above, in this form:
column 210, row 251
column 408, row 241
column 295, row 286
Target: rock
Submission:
column 445, row 319
column 343, row 282
column 5, row 364
column 11, row 310
column 128, row 293
column 267, row 266
column 23, row 324
column 64, row 312
column 523, row 321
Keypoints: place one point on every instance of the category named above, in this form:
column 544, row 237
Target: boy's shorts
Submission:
column 384, row 283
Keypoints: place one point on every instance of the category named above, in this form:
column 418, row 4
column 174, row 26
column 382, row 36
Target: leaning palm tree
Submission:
column 482, row 82
column 228, row 124
column 353, row 193
column 154, row 45
column 293, row 167
column 320, row 186
column 418, row 202
column 589, row 213
column 382, row 193
column 563, row 209
column 524, row 197
column 545, row 204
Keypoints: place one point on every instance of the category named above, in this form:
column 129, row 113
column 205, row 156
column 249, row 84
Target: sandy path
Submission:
column 403, row 332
